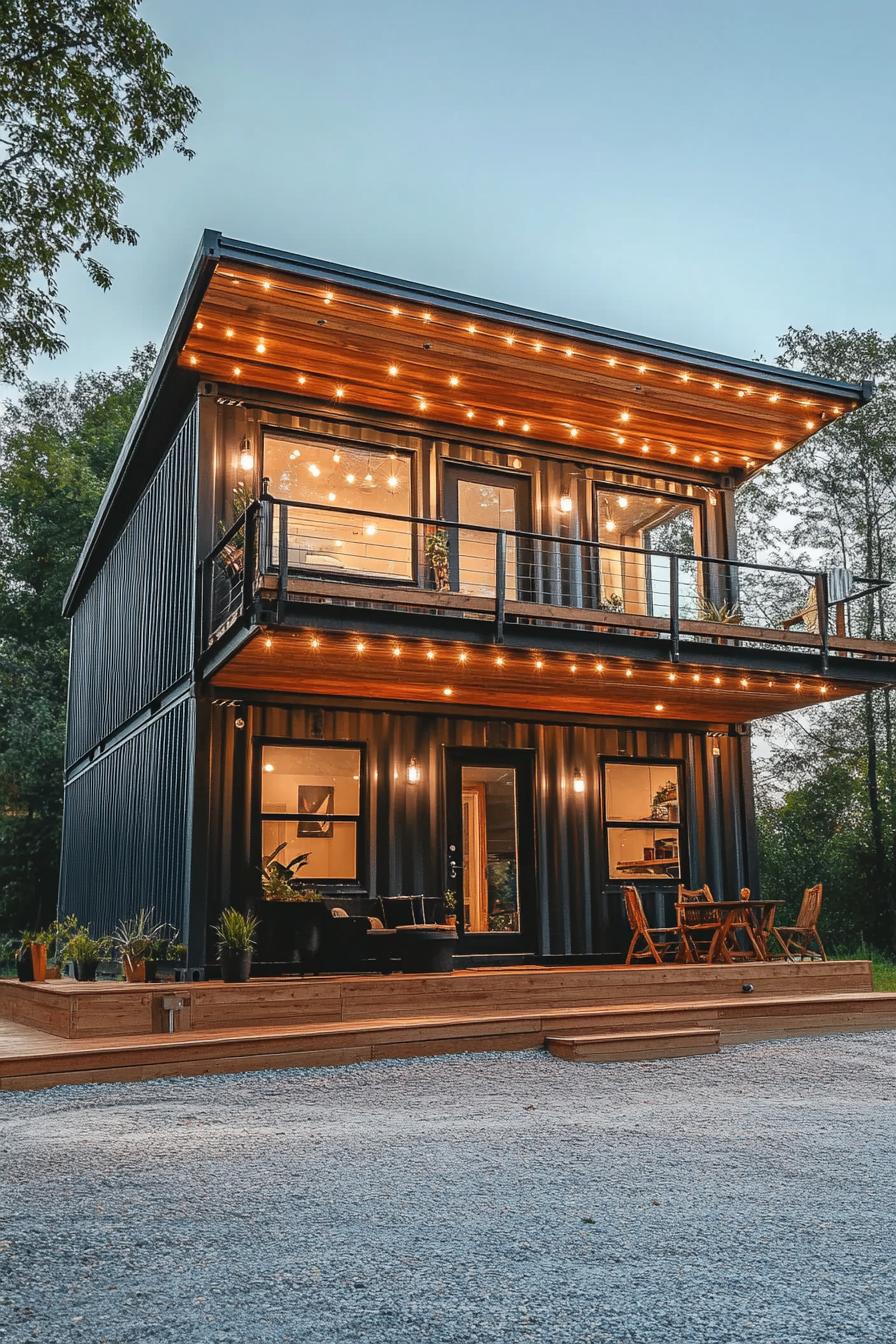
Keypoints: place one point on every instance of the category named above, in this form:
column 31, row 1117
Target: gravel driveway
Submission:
column 748, row 1197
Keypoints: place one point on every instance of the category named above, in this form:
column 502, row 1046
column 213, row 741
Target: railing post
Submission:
column 821, row 607
column 250, row 531
column 500, row 583
column 673, row 606
column 282, row 558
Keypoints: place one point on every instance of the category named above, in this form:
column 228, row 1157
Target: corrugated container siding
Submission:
column 132, row 635
column 580, row 910
column 126, row 831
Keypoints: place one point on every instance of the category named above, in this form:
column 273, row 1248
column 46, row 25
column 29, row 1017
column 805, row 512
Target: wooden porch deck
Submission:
column 64, row 1032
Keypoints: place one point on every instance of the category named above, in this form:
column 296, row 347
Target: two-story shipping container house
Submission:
column 438, row 593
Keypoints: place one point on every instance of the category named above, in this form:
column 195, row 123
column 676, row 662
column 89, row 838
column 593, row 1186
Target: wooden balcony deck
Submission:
column 63, row 1032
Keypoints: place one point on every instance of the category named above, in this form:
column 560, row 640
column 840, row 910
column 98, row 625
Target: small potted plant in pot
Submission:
column 449, row 907
column 61, row 930
column 439, row 556
column 85, row 953
column 133, row 940
column 40, row 944
column 236, row 934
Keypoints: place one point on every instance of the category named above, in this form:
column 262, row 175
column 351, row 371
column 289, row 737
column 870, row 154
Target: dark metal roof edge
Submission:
column 235, row 249
column 197, row 278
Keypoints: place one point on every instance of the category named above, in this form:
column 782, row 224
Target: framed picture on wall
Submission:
column 315, row 805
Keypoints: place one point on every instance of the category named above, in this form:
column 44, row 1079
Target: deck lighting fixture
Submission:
column 566, row 503
column 642, row 368
column 199, row 326
column 622, row 501
column 413, row 771
column 471, row 329
column 673, row 676
column 538, row 347
column 422, row 404
column 696, row 678
column 328, row 297
column 822, row 690
column 573, row 667
column 573, row 432
column 337, row 458
column 810, row 424
column 744, row 682
column 777, row 445
column 717, row 681
column 775, row 396
column 392, row 482
column 509, row 338
column 612, row 361
column 569, row 352
column 578, row 783
column 797, row 685
column 598, row 667
column 645, row 448
column 685, row 377
column 625, row 416
column 610, row 525
column 620, row 438
column 717, row 386
column 462, row 657
column 332, row 496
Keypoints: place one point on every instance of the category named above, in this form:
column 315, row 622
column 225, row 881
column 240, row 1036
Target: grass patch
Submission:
column 883, row 966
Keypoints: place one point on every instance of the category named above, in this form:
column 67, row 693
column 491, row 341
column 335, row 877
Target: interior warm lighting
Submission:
column 810, row 424
column 314, row 468
column 199, row 326
column 269, row 769
column 717, row 386
column 622, row 501
column 642, row 368
column 413, row 771
column 672, row 449
column 569, row 352
column 578, row 783
column 509, row 339
column 777, row 445
column 612, row 361
column 717, row 681
column 471, row 328
column 573, row 667
column 610, row 525
column 392, row 482
column 566, row 503
column 685, row 377
column 422, row 404
column 265, row 284
column 822, row 690
column 350, row 478
column 645, row 448
column 744, row 682
column 598, row 667
column 620, row 439
column 573, row 432
column 329, row 296
column 797, row 685
column 501, row 422
column 538, row 347
column 775, row 396
column 695, row 677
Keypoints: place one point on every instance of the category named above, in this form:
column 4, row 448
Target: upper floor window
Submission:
column 649, row 517
column 347, row 503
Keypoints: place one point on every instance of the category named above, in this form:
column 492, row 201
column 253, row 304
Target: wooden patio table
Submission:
column 753, row 917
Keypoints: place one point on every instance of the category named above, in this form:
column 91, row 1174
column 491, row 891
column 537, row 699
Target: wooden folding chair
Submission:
column 697, row 928
column 660, row 944
column 795, row 940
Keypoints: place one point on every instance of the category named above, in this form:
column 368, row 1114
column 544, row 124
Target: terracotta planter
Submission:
column 134, row 970
column 39, row 962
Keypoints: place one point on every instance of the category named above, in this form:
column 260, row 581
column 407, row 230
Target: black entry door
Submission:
column 478, row 498
column 490, row 848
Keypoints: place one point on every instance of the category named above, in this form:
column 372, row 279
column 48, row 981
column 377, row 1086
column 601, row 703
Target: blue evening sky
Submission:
column 705, row 172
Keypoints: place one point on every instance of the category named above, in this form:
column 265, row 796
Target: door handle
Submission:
column 452, row 868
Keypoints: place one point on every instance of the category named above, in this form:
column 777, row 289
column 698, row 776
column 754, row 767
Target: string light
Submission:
column 199, row 326
column 260, row 348
column 427, row 317
column 430, row 654
column 228, row 332
column 315, row 642
column 396, row 312
column 499, row 661
column 236, row 370
column 301, row 380
column 340, row 393
column 462, row 657
column 193, row 359
column 454, row 381
column 598, row 667
column 539, row 664
column 447, row 690
column 659, row 708
column 470, row 414
column 360, row 646
column 268, row 643
column 629, row 672
column 396, row 650
column 393, row 370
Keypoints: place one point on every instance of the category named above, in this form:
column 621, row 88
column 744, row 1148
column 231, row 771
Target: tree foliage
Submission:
column 833, row 502
column 58, row 444
column 85, row 99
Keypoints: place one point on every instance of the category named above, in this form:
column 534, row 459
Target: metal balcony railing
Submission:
column 293, row 551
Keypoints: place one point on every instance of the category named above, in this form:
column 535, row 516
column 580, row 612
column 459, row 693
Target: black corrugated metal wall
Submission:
column 131, row 719
column 580, row 911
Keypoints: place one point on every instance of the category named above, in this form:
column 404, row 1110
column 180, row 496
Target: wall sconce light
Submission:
column 247, row 461
column 566, row 503
column 578, row 783
column 413, row 771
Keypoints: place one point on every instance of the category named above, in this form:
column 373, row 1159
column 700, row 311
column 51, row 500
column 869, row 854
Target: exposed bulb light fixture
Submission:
column 578, row 783
column 566, row 503
column 413, row 771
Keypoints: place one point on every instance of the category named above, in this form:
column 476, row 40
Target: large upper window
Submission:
column 667, row 517
column 332, row 480
column 642, row 814
column 311, row 804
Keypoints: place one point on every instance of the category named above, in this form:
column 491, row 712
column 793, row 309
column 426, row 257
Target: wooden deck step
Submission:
column 631, row 1045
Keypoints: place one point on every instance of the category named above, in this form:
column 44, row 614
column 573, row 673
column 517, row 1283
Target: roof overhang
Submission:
column 264, row 319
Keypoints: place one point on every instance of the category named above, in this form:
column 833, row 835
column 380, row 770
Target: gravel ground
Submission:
column 743, row 1197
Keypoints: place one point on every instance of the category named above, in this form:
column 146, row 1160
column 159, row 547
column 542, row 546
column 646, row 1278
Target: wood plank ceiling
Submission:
column 358, row 665
column 265, row 329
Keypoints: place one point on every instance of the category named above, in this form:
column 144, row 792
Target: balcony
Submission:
column 287, row 567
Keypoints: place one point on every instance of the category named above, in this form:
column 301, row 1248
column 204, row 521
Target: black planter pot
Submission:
column 293, row 931
column 24, row 967
column 235, row 966
column 86, row 969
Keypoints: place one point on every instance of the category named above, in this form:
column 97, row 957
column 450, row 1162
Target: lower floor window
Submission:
column 642, row 815
column 311, row 809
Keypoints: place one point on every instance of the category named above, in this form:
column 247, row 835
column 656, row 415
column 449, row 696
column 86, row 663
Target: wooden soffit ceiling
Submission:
column 376, row 667
column 268, row 329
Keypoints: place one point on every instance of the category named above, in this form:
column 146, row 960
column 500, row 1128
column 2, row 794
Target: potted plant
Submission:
column 439, row 557
column 24, row 964
column 449, row 907
column 164, row 955
column 133, row 940
column 40, row 944
column 85, row 953
column 61, row 930
column 235, row 933
column 293, row 914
